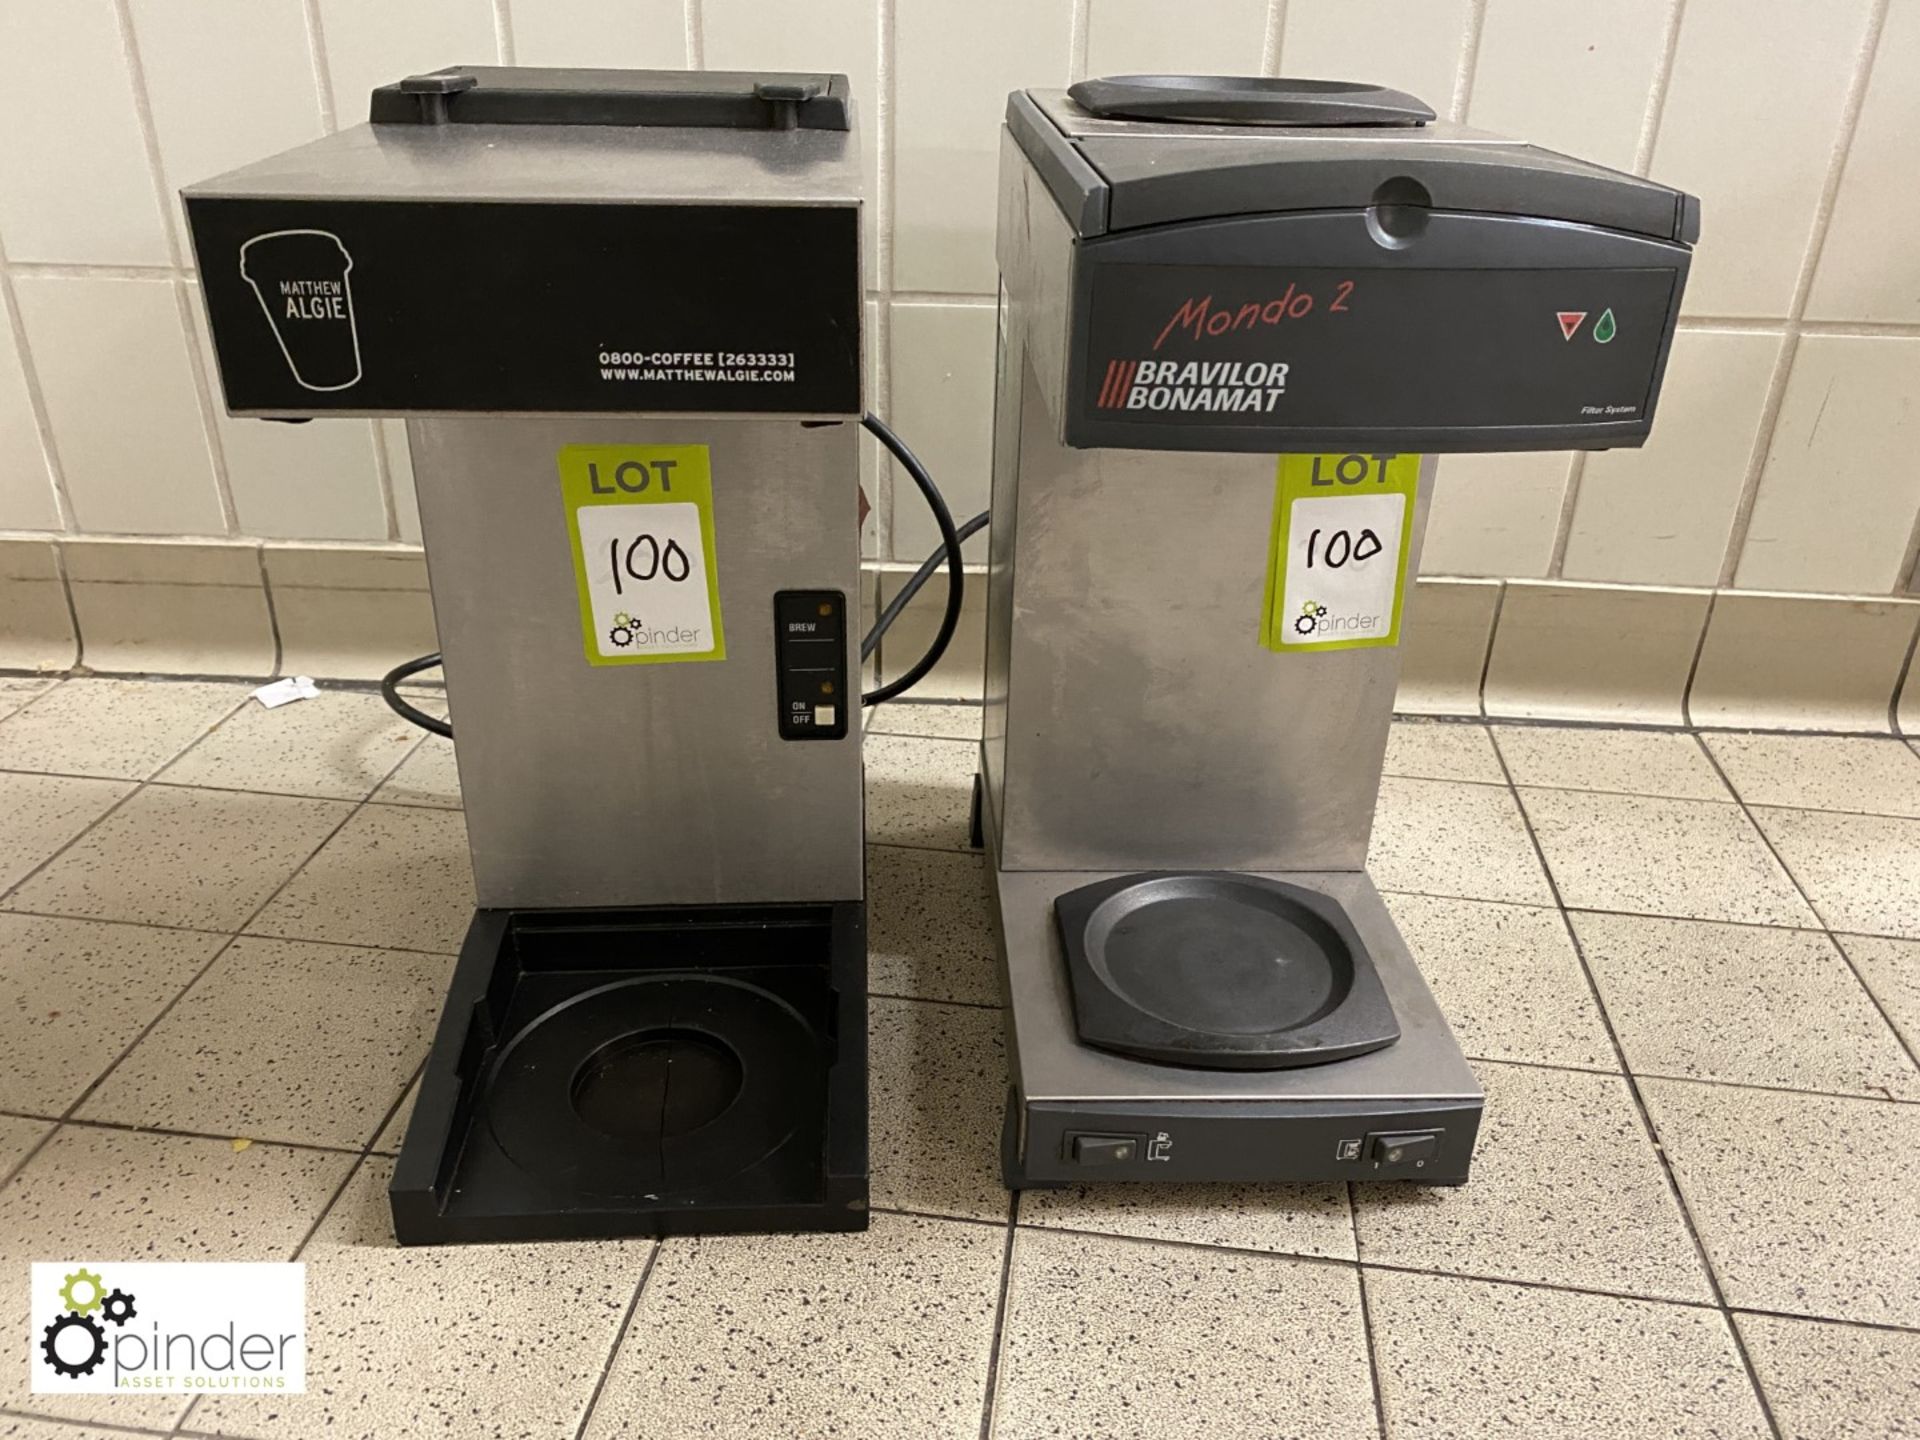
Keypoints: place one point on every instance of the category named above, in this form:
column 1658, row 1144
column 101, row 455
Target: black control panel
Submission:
column 810, row 659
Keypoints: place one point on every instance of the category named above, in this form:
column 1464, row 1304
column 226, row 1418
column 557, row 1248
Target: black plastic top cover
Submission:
column 531, row 95
column 1248, row 100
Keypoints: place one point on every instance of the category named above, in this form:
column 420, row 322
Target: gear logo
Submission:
column 75, row 1343
column 1308, row 620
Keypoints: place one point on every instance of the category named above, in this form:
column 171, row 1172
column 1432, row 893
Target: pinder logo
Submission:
column 234, row 1326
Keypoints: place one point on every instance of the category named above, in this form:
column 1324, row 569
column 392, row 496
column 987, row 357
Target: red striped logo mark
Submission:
column 1119, row 380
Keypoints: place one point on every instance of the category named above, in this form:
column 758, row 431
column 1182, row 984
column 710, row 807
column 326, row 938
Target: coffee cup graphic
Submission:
column 300, row 280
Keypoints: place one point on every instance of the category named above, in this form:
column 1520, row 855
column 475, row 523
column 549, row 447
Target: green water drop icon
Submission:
column 1604, row 328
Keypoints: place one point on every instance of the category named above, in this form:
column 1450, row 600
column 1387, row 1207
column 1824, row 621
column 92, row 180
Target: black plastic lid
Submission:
column 1248, row 100
column 530, row 95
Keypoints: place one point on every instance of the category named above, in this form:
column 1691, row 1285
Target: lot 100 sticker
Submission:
column 641, row 519
column 1337, row 566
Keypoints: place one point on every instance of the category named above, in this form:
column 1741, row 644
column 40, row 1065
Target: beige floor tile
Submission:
column 122, row 729
column 1835, row 1382
column 874, row 1335
column 1891, row 969
column 18, row 1136
column 464, row 1340
column 938, row 1083
column 1633, row 762
column 158, row 1197
column 1705, row 1001
column 172, row 856
column 18, row 1428
column 428, row 776
column 41, row 813
column 1862, row 872
column 1566, row 1190
column 1507, row 979
column 394, row 1132
column 394, row 876
column 76, row 993
column 929, row 927
column 1285, row 1219
column 16, row 692
column 1438, row 837
column 1805, row 1202
column 1647, row 856
column 1130, row 1341
column 340, row 745
column 1471, row 1358
column 944, row 722
column 1822, row 772
column 919, row 791
column 1436, row 750
column 320, row 1065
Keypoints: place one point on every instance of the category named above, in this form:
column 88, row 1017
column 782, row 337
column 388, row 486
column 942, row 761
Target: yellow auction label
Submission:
column 1337, row 560
column 641, row 518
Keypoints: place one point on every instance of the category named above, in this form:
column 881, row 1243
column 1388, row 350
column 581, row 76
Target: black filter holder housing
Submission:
column 665, row 1071
column 1220, row 971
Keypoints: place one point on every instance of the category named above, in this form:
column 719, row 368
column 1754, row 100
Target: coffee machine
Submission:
column 620, row 313
column 1192, row 647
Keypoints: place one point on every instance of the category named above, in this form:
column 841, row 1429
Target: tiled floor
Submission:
column 1687, row 970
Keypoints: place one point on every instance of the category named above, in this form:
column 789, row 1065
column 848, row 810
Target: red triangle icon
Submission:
column 1570, row 321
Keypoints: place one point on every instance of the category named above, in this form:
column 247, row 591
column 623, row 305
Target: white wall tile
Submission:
column 1801, row 662
column 1201, row 37
column 1870, row 264
column 830, row 35
column 75, row 186
column 26, row 486
column 1569, row 74
column 1411, row 45
column 315, row 481
column 954, row 66
column 1758, row 167
column 1449, row 625
column 1837, row 498
column 641, row 34
column 1594, row 652
column 376, row 42
column 1660, row 515
column 943, row 409
column 264, row 98
column 1495, row 514
column 120, row 395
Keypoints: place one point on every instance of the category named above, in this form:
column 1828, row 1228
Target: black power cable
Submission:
column 950, row 542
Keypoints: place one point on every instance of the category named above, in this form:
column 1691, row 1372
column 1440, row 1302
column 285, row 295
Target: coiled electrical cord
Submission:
column 951, row 539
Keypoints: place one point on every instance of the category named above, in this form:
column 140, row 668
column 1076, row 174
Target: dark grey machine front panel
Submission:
column 1324, row 331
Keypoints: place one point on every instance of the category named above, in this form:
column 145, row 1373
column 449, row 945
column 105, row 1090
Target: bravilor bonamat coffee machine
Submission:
column 1191, row 651
column 621, row 313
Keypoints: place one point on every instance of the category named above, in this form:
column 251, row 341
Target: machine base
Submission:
column 601, row 1073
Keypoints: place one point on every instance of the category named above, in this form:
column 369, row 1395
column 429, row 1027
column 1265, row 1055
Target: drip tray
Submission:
column 1220, row 971
column 644, row 1072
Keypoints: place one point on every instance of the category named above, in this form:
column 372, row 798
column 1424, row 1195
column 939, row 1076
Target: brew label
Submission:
column 1337, row 563
column 641, row 518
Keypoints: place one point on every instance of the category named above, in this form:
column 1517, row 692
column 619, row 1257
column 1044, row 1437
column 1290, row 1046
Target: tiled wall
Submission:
column 1784, row 456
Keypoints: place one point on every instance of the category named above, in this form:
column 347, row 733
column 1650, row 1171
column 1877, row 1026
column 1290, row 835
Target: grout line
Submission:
column 128, row 1127
column 1486, row 654
column 322, row 68
column 199, row 367
column 273, row 616
column 1563, row 526
column 383, row 472
column 61, row 1425
column 619, row 1339
column 308, row 939
column 1652, row 1132
column 944, row 297
column 1469, row 62
column 1807, row 900
column 149, row 134
column 1366, row 1329
column 60, row 564
column 696, row 35
column 1802, row 288
column 999, row 1319
column 1906, row 675
column 1273, row 37
column 37, row 407
column 1662, row 85
column 503, row 32
column 1080, row 22
column 1693, row 666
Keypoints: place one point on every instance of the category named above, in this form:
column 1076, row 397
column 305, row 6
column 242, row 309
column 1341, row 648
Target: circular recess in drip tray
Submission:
column 1220, row 971
column 654, row 1085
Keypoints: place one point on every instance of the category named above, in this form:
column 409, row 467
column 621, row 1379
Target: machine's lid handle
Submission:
column 1248, row 100
column 530, row 95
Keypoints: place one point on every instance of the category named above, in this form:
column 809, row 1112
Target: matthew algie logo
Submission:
column 111, row 1327
column 76, row 1342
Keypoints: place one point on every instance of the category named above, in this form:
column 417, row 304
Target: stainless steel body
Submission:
column 1133, row 719
column 663, row 784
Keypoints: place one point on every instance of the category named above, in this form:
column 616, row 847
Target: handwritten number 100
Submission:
column 644, row 557
column 1341, row 547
